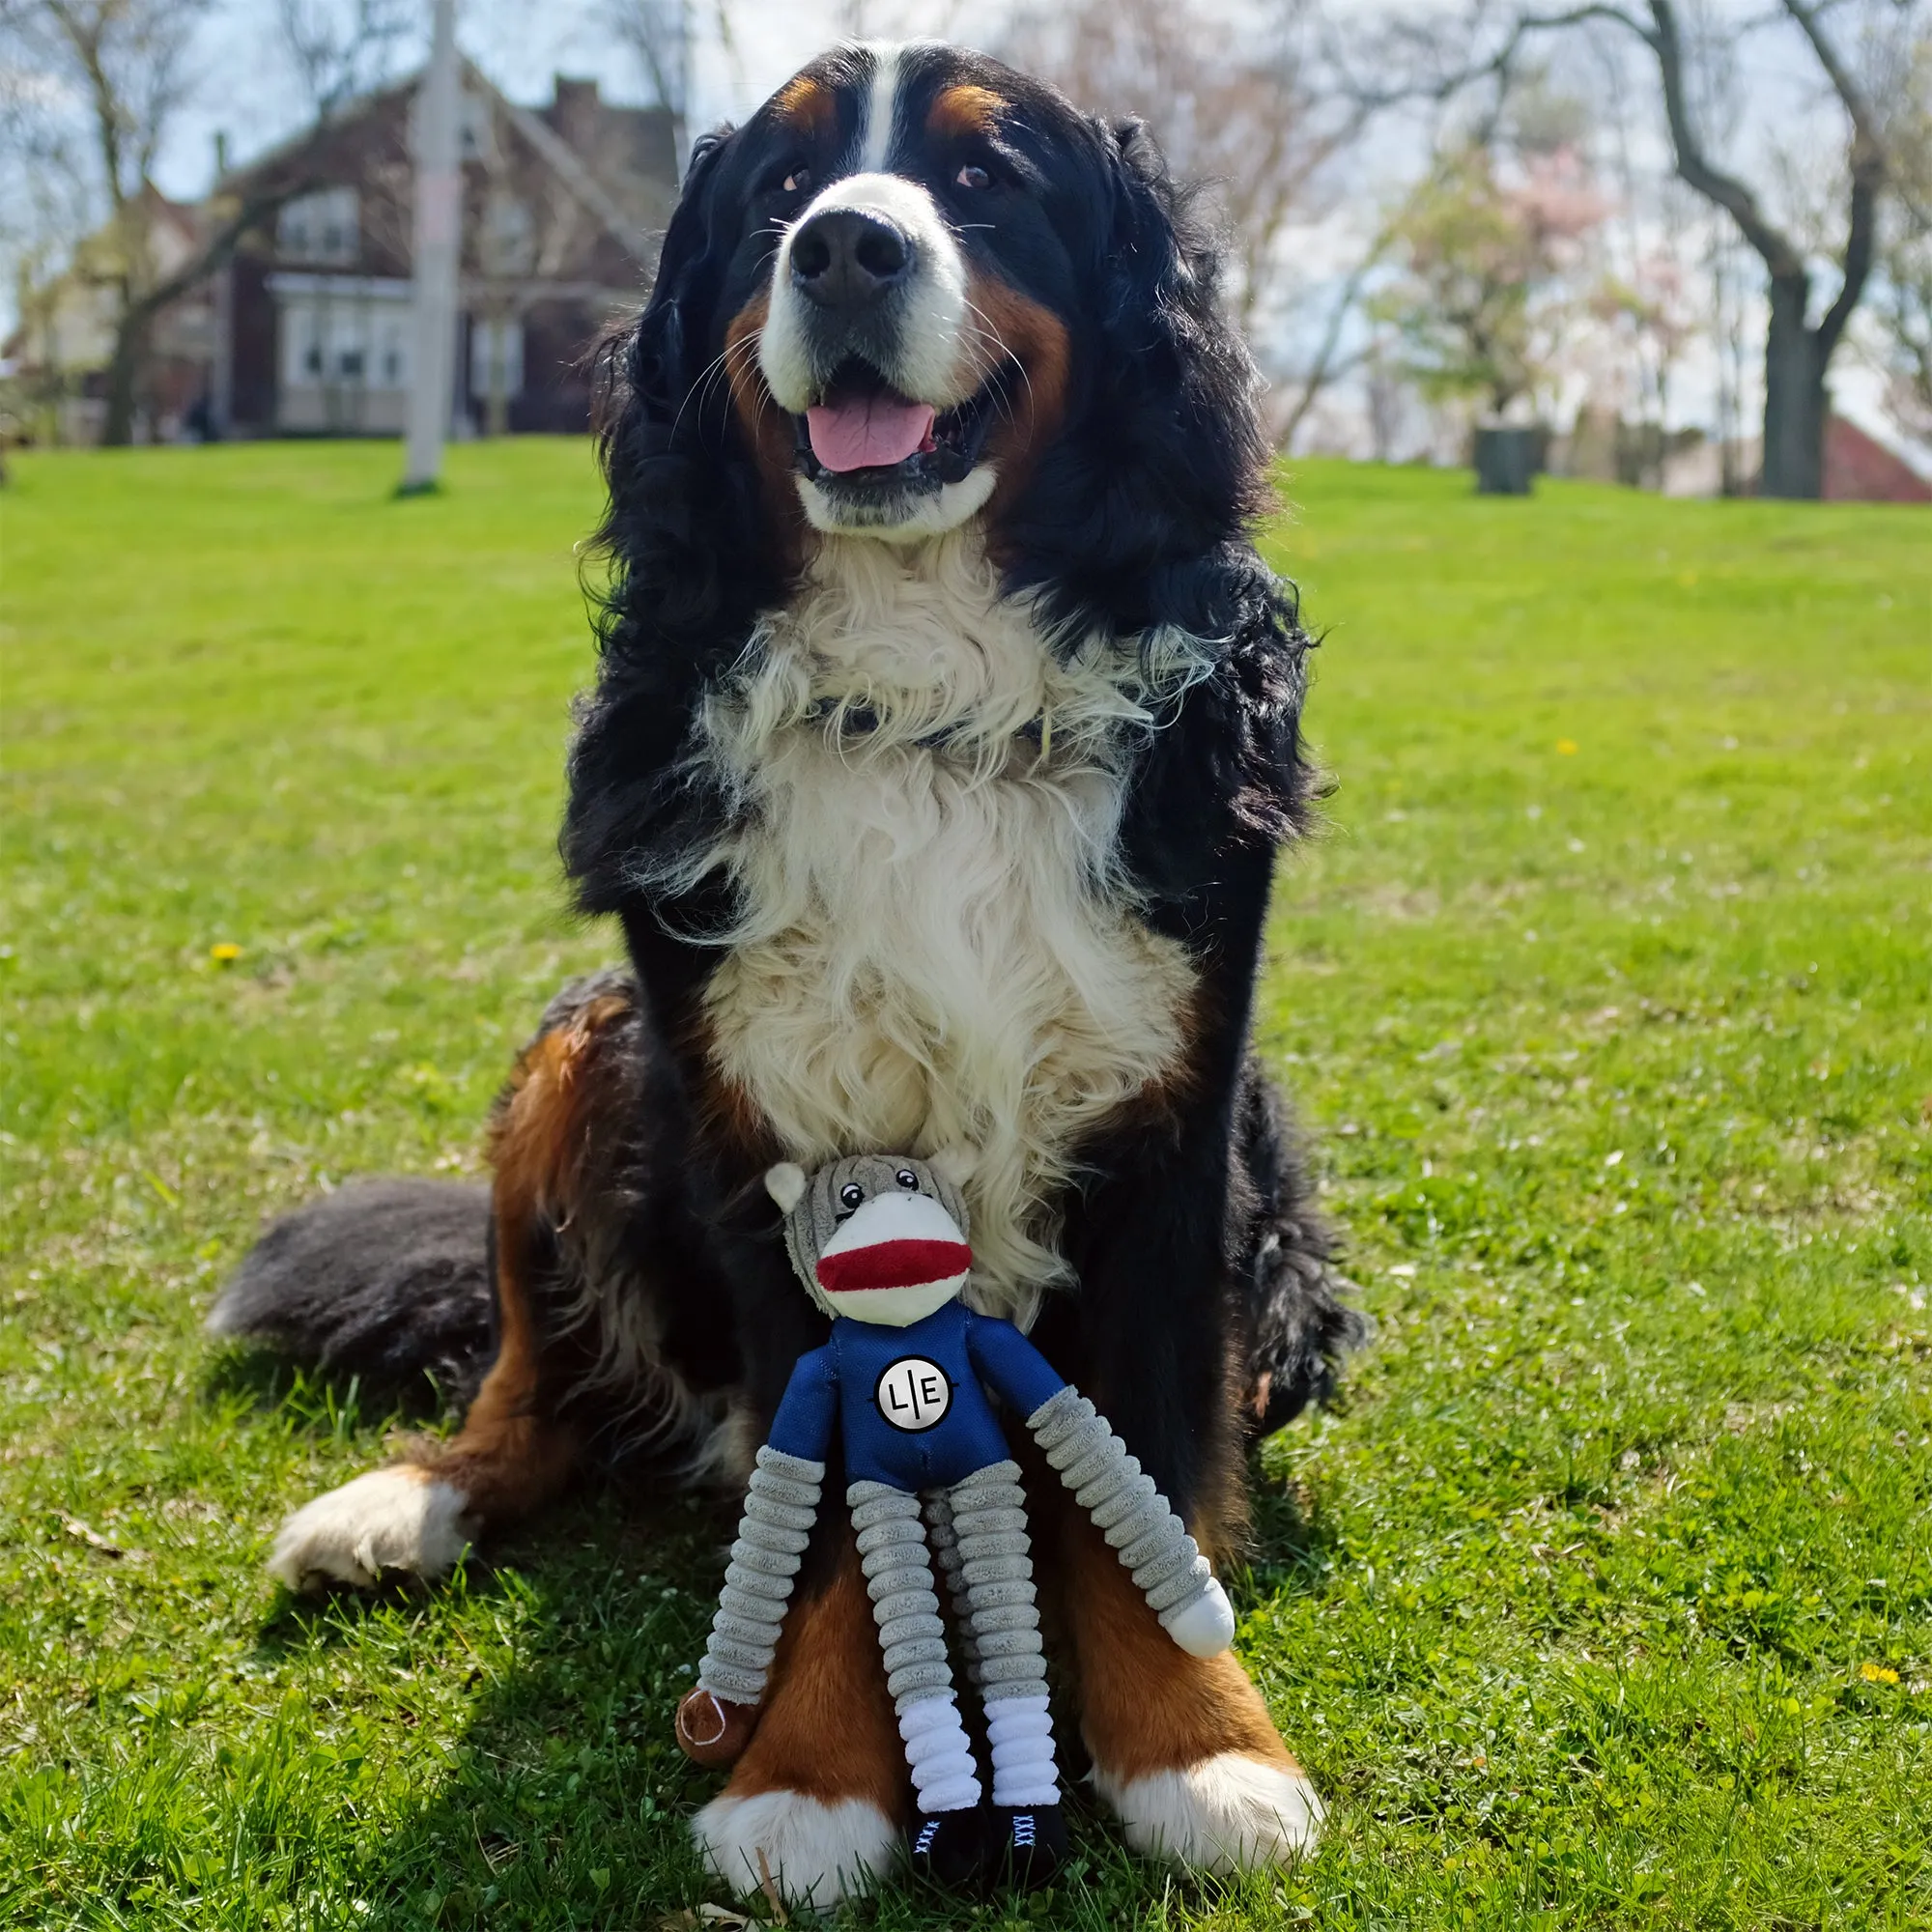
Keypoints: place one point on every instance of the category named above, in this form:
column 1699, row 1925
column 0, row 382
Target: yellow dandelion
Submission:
column 1566, row 747
column 1878, row 1673
column 225, row 954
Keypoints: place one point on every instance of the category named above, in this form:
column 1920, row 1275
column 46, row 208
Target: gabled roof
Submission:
column 569, row 169
column 543, row 140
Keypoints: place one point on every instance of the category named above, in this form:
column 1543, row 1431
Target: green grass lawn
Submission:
column 1603, row 1597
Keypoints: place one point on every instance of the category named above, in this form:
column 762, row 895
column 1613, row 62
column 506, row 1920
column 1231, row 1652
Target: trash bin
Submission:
column 1507, row 461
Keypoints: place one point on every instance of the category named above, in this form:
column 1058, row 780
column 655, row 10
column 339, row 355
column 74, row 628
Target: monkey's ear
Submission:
column 955, row 1163
column 786, row 1185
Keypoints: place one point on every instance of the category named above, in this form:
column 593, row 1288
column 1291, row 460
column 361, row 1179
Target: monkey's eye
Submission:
column 972, row 177
column 852, row 1194
column 906, row 1178
column 798, row 181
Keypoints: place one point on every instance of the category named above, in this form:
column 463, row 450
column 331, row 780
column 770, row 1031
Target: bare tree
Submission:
column 1903, row 303
column 42, row 207
column 126, row 63
column 658, row 34
column 340, row 49
column 1797, row 352
column 128, row 66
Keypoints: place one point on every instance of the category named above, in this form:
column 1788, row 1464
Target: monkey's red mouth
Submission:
column 908, row 1264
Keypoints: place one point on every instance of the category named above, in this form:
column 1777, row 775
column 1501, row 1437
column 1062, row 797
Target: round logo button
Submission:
column 912, row 1394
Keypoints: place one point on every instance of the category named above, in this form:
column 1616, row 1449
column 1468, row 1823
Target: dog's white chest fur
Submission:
column 935, row 948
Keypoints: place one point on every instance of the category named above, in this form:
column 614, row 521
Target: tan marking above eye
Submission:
column 807, row 103
column 966, row 110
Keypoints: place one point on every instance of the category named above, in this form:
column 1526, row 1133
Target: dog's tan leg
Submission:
column 1184, row 1749
column 513, row 1453
column 817, row 1801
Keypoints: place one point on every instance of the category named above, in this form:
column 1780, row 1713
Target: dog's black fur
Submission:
column 1207, row 1303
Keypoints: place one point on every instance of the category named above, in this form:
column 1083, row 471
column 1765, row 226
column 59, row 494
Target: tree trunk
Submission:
column 1793, row 396
column 124, row 369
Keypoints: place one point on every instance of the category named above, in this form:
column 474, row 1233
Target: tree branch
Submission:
column 1781, row 256
column 1324, row 368
column 1865, row 125
column 1860, row 245
column 254, row 208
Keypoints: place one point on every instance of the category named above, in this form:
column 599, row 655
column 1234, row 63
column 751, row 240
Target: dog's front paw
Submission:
column 811, row 1853
column 1229, row 1813
column 399, row 1519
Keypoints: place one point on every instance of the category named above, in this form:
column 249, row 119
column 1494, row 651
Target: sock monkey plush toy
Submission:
column 880, row 1243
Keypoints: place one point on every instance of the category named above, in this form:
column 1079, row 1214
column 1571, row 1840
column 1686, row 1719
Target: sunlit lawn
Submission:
column 1605, row 1595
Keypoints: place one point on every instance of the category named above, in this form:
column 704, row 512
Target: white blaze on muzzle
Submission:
column 923, row 322
column 896, row 1259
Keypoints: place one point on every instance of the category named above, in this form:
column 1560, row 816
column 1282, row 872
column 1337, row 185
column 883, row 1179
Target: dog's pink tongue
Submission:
column 867, row 432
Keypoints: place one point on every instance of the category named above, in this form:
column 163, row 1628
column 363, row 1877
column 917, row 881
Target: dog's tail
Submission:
column 386, row 1279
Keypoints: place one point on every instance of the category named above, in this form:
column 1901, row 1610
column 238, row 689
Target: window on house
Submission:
column 319, row 227
column 476, row 127
column 506, row 244
column 331, row 340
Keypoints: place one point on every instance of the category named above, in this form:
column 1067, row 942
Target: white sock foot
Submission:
column 399, row 1519
column 1020, row 1732
column 939, row 1755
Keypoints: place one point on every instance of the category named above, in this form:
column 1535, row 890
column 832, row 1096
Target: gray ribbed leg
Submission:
column 779, row 1508
column 1134, row 1517
column 898, row 1580
column 944, row 1540
column 989, row 1517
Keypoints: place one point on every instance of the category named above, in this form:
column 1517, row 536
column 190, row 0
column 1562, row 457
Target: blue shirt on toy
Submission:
column 909, row 1401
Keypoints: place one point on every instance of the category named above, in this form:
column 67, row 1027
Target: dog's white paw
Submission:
column 399, row 1519
column 815, row 1854
column 1226, row 1815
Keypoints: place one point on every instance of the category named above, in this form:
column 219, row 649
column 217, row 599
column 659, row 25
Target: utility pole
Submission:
column 438, row 245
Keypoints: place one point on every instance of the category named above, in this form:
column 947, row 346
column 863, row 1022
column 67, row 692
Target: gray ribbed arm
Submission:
column 780, row 1509
column 1126, row 1508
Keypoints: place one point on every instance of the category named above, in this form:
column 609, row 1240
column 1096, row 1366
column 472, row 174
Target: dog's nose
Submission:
column 848, row 258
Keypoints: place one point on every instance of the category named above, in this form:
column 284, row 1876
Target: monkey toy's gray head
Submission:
column 880, row 1238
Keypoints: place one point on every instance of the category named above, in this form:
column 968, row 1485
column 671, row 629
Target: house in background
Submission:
column 563, row 209
column 64, row 338
column 306, row 330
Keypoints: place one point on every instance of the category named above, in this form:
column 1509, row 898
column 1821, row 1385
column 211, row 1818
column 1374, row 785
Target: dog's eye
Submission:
column 798, row 181
column 972, row 177
column 852, row 1194
column 906, row 1178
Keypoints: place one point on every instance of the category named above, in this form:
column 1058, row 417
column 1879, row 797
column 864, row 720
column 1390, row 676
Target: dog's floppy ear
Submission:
column 676, row 319
column 1150, row 278
column 1172, row 424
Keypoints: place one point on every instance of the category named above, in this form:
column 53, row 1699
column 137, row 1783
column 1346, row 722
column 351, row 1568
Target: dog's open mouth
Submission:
column 862, row 435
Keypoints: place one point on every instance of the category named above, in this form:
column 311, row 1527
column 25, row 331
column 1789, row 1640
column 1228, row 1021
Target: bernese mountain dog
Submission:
column 945, row 734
